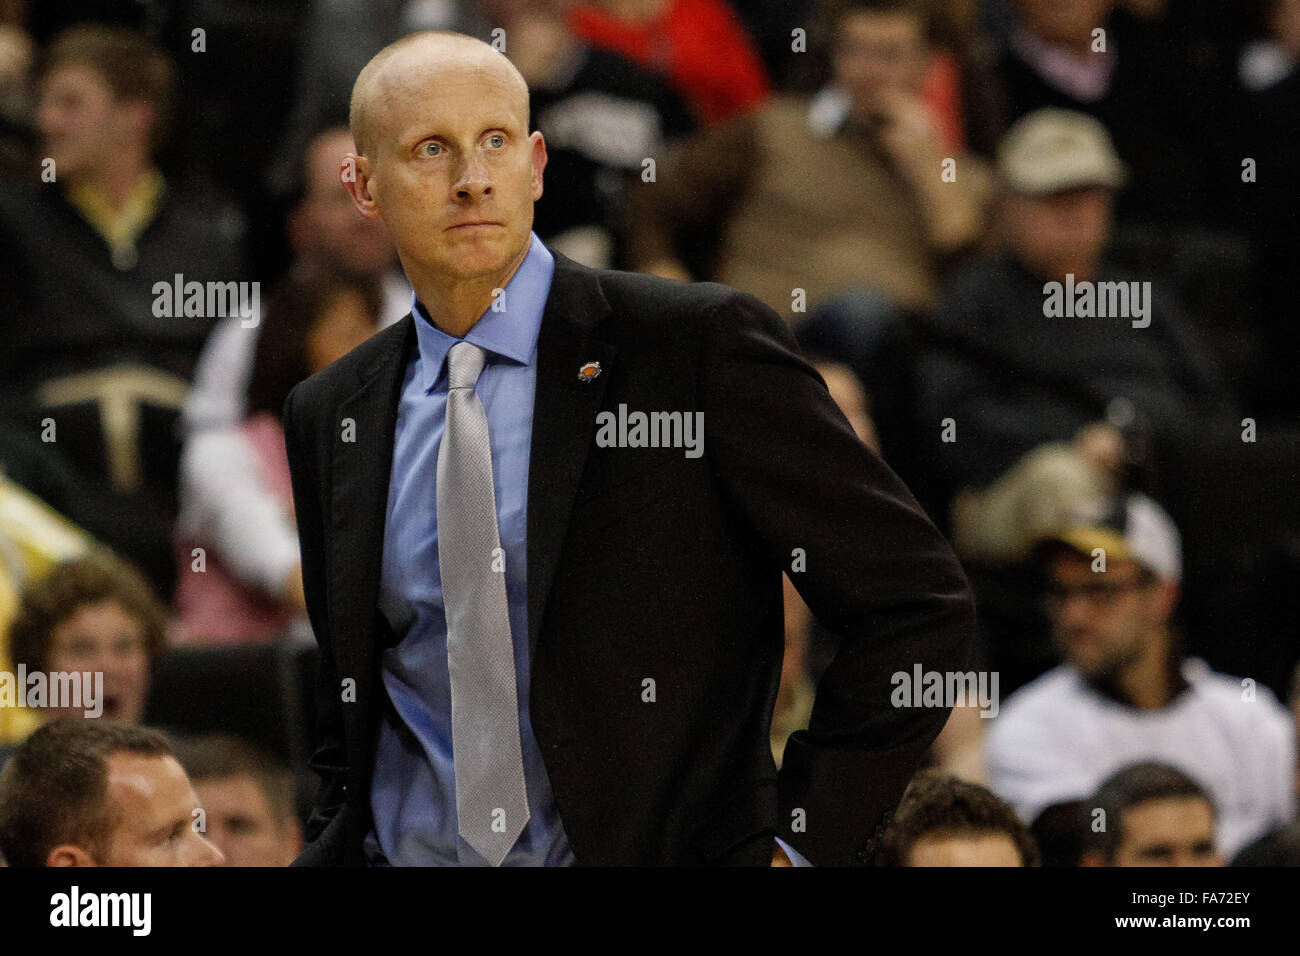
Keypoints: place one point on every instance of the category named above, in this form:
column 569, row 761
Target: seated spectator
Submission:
column 92, row 614
column 239, row 576
column 248, row 800
column 92, row 348
column 800, row 197
column 1011, row 371
column 84, row 251
column 943, row 821
column 99, row 793
column 1126, row 692
column 700, row 46
column 328, row 237
column 1151, row 814
column 1132, row 75
column 602, row 116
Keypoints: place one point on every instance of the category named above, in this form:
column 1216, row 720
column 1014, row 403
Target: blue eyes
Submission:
column 496, row 139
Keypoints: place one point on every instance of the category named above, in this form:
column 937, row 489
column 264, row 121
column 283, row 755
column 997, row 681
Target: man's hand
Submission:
column 779, row 857
column 910, row 136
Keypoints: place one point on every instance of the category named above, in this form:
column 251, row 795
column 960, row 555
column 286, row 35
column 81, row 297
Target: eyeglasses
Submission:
column 1098, row 594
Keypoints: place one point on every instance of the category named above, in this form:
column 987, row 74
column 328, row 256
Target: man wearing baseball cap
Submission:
column 1013, row 371
column 1126, row 693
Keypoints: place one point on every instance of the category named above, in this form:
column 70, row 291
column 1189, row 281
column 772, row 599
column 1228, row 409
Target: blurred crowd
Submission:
column 1039, row 250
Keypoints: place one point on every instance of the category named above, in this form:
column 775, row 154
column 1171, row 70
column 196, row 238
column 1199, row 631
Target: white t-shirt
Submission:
column 1057, row 739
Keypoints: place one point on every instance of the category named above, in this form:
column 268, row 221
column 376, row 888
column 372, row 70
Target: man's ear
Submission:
column 354, row 174
column 66, row 854
column 539, row 162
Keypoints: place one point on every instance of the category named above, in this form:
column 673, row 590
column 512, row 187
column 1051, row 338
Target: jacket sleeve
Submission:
column 874, row 569
column 329, row 760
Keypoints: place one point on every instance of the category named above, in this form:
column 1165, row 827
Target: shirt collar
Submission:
column 509, row 333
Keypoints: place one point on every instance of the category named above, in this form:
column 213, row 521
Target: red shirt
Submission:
column 698, row 45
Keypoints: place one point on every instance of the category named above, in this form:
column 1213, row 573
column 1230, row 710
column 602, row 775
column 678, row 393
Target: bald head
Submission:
column 401, row 68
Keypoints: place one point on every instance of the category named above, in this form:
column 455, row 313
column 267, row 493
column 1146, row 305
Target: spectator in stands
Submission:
column 1151, row 814
column 807, row 201
column 239, row 574
column 94, row 613
column 328, row 238
column 248, row 800
column 90, row 342
column 1009, row 369
column 943, row 821
column 1129, row 73
column 84, row 251
column 99, row 793
column 602, row 116
column 701, row 46
column 1126, row 692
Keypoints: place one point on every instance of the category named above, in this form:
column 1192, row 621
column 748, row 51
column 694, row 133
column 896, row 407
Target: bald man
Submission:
column 544, row 520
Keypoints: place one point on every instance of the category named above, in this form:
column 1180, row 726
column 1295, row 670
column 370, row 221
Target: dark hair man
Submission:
column 1151, row 814
column 248, row 800
column 944, row 821
column 99, row 793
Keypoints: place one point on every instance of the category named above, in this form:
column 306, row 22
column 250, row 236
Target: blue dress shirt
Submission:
column 413, row 791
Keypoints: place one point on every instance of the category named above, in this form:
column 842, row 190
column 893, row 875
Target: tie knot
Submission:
column 464, row 365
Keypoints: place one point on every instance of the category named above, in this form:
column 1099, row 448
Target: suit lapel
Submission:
column 564, row 420
column 359, row 497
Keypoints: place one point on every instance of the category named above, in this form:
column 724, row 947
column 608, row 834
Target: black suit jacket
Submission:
column 646, row 564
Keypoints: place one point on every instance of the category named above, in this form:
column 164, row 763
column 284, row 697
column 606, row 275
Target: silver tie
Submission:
column 491, row 797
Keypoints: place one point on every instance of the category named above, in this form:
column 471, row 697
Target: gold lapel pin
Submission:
column 588, row 371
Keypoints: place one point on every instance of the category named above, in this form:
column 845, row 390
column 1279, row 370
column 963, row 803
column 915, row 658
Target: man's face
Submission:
column 150, row 807
column 1176, row 831
column 1064, row 232
column 965, row 849
column 104, row 638
column 1065, row 21
column 877, row 55
column 451, row 147
column 80, row 120
column 325, row 226
column 243, row 825
column 1101, row 620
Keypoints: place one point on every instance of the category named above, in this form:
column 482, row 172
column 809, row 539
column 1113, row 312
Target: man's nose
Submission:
column 474, row 179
